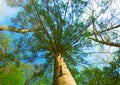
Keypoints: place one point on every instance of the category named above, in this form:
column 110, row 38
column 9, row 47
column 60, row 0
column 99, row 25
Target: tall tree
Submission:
column 57, row 28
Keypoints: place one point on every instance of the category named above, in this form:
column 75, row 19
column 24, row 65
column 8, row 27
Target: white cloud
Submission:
column 0, row 6
column 6, row 12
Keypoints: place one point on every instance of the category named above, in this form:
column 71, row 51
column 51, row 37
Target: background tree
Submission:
column 93, row 75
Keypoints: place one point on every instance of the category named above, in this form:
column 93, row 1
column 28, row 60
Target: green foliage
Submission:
column 96, row 76
column 14, row 75
column 5, row 43
column 11, row 75
column 90, row 76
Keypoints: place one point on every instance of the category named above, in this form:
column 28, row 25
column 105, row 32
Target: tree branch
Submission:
column 43, row 27
column 13, row 29
column 106, row 43
column 95, row 33
column 66, row 9
column 108, row 29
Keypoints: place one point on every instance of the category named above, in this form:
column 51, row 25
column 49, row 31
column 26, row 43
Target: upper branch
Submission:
column 106, row 43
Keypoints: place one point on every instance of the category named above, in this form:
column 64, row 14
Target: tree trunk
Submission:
column 62, row 75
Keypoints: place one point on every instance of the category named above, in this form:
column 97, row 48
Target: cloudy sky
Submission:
column 6, row 13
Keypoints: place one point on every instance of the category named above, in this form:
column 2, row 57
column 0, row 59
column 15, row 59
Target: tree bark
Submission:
column 62, row 75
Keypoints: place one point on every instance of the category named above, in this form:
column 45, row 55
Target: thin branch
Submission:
column 59, row 26
column 66, row 9
column 93, row 25
column 108, row 29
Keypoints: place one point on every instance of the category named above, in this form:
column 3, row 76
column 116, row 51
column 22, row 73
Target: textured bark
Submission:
column 62, row 75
